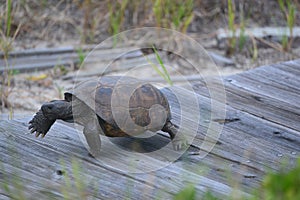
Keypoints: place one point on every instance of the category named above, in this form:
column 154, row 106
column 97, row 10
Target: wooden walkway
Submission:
column 261, row 130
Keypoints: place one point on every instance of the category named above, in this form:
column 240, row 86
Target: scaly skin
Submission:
column 40, row 124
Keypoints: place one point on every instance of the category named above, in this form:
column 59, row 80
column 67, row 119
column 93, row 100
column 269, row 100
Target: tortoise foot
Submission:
column 40, row 125
column 179, row 142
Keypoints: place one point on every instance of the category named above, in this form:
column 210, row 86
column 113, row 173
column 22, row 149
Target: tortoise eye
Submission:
column 68, row 97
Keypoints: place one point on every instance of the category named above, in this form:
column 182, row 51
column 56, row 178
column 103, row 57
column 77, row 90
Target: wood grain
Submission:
column 260, row 130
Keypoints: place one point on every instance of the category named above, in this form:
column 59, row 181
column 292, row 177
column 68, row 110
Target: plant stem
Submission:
column 8, row 17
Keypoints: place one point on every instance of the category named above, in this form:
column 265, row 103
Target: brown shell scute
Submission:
column 145, row 96
column 142, row 100
column 112, row 96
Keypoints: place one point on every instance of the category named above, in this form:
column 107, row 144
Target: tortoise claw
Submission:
column 177, row 147
column 30, row 126
column 40, row 125
column 37, row 134
column 32, row 130
column 179, row 143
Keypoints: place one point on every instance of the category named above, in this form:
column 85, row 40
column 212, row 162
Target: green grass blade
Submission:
column 155, row 68
column 165, row 71
column 8, row 17
column 291, row 16
column 81, row 55
column 187, row 23
column 66, row 188
column 78, row 179
column 281, row 5
column 189, row 192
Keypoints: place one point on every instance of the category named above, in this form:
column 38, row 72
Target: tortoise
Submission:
column 115, row 106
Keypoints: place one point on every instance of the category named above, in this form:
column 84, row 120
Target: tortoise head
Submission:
column 58, row 109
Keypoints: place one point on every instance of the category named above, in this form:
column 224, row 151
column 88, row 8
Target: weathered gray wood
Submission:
column 41, row 59
column 279, row 78
column 265, row 37
column 275, row 32
column 247, row 92
column 48, row 58
column 268, row 136
column 45, row 155
column 260, row 131
column 272, row 103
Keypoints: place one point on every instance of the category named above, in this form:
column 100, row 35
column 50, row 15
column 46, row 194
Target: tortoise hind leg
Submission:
column 178, row 140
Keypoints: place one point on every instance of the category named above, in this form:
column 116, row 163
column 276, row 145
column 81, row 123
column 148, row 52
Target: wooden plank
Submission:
column 265, row 135
column 270, row 36
column 44, row 156
column 43, row 60
column 40, row 59
column 243, row 94
column 274, row 32
column 280, row 78
column 263, row 107
column 276, row 90
column 255, row 136
column 292, row 66
column 226, row 155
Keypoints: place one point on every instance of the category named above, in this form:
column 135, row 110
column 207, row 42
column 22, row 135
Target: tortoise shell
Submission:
column 124, row 105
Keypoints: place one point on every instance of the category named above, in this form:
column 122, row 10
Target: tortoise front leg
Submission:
column 178, row 140
column 40, row 124
column 92, row 132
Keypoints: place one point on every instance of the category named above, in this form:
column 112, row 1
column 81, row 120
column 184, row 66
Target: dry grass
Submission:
column 40, row 23
column 89, row 21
